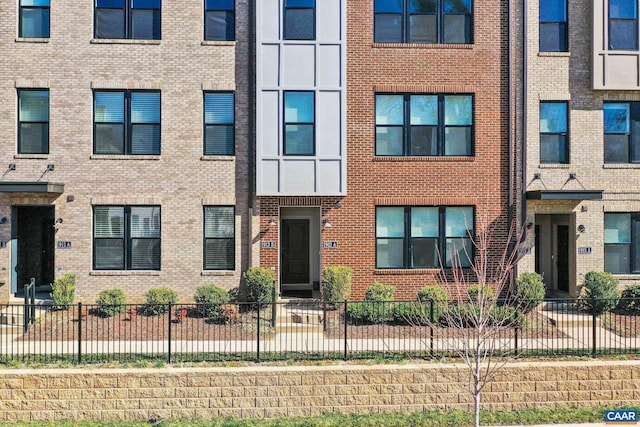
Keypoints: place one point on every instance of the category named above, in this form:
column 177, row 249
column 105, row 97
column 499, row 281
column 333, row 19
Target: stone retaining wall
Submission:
column 275, row 391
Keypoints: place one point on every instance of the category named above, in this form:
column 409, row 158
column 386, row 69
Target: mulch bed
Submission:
column 621, row 324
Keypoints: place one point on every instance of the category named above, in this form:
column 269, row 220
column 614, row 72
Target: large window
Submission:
column 126, row 122
column 622, row 242
column 423, row 21
column 299, row 19
column 219, row 122
column 219, row 20
column 34, row 19
column 623, row 24
column 424, row 125
column 553, row 26
column 126, row 237
column 299, row 123
column 554, row 143
column 33, row 121
column 127, row 19
column 219, row 238
column 418, row 237
column 622, row 132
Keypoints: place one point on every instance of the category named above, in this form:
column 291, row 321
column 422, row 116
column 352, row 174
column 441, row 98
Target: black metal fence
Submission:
column 298, row 330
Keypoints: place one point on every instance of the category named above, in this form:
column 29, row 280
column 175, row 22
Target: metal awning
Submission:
column 564, row 195
column 31, row 187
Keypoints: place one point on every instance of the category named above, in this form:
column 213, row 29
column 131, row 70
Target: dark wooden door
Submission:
column 562, row 257
column 294, row 251
column 36, row 240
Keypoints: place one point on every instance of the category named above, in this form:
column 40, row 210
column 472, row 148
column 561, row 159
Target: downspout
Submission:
column 251, row 125
column 524, row 138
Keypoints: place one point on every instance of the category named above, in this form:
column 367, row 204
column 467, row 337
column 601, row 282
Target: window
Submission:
column 623, row 24
column 126, row 237
column 299, row 19
column 622, row 242
column 219, row 20
column 423, row 21
column 34, row 19
column 622, row 132
column 299, row 124
column 554, row 145
column 219, row 238
column 417, row 237
column 424, row 125
column 126, row 122
column 127, row 19
column 553, row 26
column 219, row 129
column 33, row 121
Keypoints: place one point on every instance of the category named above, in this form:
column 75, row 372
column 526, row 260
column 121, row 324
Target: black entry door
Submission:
column 562, row 257
column 295, row 251
column 35, row 236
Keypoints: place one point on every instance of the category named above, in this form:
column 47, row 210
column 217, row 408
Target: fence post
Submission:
column 345, row 330
column 33, row 301
column 169, row 335
column 515, row 341
column 432, row 320
column 273, row 307
column 258, row 336
column 79, row 332
column 593, row 327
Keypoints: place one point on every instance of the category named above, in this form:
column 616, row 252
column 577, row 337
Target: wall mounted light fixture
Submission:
column 326, row 223
column 582, row 229
column 271, row 222
column 3, row 220
column 57, row 223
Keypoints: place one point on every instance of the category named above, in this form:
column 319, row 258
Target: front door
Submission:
column 295, row 251
column 562, row 257
column 34, row 234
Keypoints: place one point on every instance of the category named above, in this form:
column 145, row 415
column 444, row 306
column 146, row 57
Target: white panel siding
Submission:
column 269, row 137
column 329, row 17
column 329, row 66
column 270, row 20
column 331, row 173
column 298, row 177
column 270, row 65
column 299, row 65
column 269, row 176
column 328, row 113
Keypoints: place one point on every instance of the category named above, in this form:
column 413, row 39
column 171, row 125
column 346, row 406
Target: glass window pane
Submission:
column 422, row 29
column 616, row 259
column 389, row 141
column 145, row 107
column 623, row 9
column 109, row 139
column 220, row 4
column 146, row 4
column 457, row 141
column 109, row 23
column 219, row 222
column 109, row 254
column 553, row 117
column 390, row 222
column 459, row 221
column 617, row 228
column 458, row 110
column 394, row 6
column 145, row 24
column 616, row 118
column 35, row 23
column 219, row 140
column 108, row 221
column 145, row 139
column 553, row 37
column 424, row 141
column 109, row 107
column 218, row 108
column 552, row 149
column 34, row 138
column 389, row 110
column 145, row 221
column 424, row 253
column 219, row 254
column 623, row 34
column 553, row 11
column 145, row 254
column 459, row 250
column 119, row 4
column 616, row 148
column 299, row 24
column 34, row 105
column 457, row 6
column 41, row 3
column 299, row 107
column 388, row 28
column 299, row 3
column 425, row 222
column 457, row 29
column 424, row 110
column 389, row 253
column 299, row 140
column 635, row 141
column 220, row 25
column 422, row 6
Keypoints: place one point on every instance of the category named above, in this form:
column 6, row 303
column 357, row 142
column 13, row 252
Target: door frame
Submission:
column 301, row 212
column 554, row 254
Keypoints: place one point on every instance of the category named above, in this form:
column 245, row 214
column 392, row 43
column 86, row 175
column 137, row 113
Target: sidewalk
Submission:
column 562, row 425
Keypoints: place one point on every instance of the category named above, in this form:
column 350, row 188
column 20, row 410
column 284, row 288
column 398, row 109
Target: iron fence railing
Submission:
column 305, row 329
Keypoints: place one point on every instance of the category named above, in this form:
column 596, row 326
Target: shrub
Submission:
column 336, row 283
column 63, row 291
column 111, row 302
column 529, row 291
column 469, row 315
column 630, row 300
column 259, row 283
column 475, row 291
column 380, row 292
column 414, row 313
column 435, row 296
column 229, row 313
column 370, row 312
column 209, row 298
column 158, row 300
column 599, row 292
